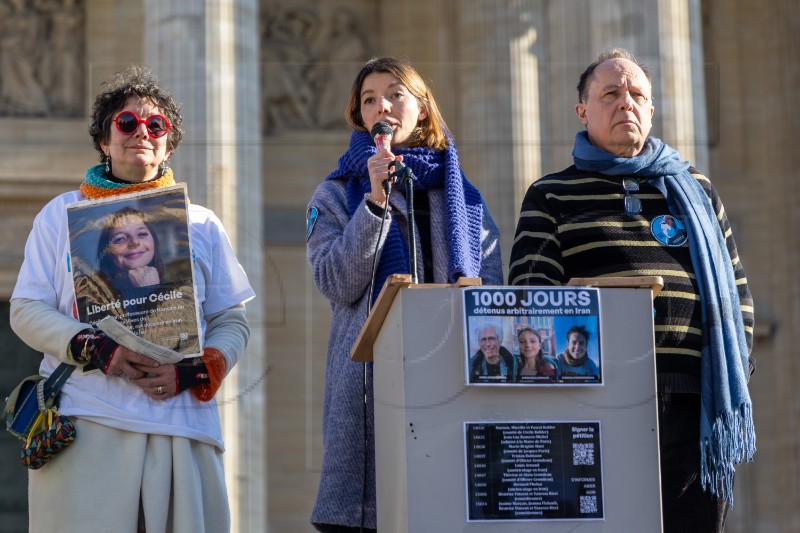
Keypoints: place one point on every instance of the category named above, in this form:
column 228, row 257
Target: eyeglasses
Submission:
column 128, row 121
column 633, row 206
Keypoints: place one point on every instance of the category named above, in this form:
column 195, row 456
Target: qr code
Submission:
column 582, row 453
column 588, row 504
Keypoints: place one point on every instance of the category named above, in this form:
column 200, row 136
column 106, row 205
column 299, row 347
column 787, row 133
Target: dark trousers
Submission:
column 685, row 506
column 333, row 528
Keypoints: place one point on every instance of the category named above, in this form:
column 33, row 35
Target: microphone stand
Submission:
column 401, row 172
column 404, row 173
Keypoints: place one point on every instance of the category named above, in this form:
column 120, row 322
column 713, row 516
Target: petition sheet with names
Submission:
column 542, row 470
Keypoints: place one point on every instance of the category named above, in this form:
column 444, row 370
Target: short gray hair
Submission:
column 490, row 325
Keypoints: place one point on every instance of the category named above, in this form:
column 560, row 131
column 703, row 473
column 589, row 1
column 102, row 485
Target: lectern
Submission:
column 427, row 420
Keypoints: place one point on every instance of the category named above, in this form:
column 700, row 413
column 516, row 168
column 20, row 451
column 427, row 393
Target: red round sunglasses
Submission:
column 128, row 121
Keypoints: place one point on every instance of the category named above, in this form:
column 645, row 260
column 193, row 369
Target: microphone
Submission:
column 382, row 135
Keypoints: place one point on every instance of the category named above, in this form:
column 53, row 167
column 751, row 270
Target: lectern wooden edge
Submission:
column 362, row 348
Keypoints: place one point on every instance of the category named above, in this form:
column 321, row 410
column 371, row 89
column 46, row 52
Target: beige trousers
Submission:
column 102, row 480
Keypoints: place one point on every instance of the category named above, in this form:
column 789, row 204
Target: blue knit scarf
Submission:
column 727, row 434
column 433, row 169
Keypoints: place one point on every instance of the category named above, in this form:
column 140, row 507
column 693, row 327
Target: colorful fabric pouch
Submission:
column 30, row 415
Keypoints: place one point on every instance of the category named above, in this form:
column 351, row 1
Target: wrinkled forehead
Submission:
column 619, row 72
column 487, row 332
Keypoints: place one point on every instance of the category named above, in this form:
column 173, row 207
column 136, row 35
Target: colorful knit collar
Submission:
column 97, row 185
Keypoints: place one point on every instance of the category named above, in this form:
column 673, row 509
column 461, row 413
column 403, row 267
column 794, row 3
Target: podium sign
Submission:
column 558, row 457
column 547, row 316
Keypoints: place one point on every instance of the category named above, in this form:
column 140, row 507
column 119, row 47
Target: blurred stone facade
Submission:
column 263, row 86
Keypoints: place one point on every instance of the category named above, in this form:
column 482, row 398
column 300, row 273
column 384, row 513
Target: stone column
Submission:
column 206, row 53
column 681, row 109
column 481, row 58
column 663, row 34
column 499, row 53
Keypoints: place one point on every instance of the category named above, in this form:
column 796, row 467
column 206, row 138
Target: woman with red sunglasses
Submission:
column 149, row 445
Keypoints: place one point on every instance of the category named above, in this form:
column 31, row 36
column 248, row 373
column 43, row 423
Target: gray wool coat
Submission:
column 340, row 249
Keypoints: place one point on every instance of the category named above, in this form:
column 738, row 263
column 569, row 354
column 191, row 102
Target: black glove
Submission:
column 190, row 372
column 94, row 348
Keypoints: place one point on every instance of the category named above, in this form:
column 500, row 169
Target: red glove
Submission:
column 201, row 374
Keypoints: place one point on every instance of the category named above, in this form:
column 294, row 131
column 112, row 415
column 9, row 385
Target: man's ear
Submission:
column 580, row 110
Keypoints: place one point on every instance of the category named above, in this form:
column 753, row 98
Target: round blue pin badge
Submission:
column 668, row 230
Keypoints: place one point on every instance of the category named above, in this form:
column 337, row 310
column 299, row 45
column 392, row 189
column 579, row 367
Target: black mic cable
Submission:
column 387, row 188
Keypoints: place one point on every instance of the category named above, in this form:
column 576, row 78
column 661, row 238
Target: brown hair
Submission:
column 580, row 330
column 431, row 132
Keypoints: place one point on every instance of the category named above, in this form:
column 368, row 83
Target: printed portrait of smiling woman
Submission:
column 128, row 251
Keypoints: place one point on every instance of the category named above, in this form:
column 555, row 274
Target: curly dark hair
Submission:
column 135, row 81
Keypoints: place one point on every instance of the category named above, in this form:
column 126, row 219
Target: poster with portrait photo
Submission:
column 131, row 259
column 532, row 336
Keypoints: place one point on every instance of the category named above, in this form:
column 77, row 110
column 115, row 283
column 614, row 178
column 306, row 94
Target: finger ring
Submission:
column 160, row 390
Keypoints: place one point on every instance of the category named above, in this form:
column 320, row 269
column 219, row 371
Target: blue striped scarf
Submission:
column 727, row 434
column 433, row 169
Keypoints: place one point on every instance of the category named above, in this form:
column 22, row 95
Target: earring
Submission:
column 107, row 159
column 163, row 168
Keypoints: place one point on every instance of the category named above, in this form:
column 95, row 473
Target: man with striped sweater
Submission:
column 629, row 206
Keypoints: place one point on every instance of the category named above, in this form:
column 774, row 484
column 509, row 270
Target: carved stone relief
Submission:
column 309, row 60
column 42, row 57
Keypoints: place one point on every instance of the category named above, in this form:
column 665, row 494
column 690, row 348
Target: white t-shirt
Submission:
column 112, row 401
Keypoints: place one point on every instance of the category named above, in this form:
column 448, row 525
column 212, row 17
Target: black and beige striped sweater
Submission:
column 573, row 224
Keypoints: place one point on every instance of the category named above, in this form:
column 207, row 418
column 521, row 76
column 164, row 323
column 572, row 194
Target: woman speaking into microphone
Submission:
column 348, row 223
